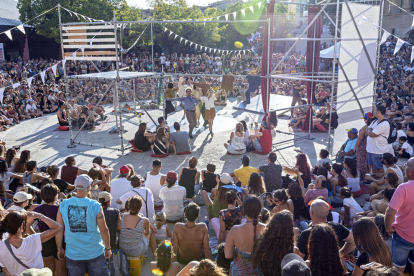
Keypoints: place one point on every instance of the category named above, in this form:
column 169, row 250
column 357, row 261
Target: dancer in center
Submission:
column 210, row 107
column 189, row 103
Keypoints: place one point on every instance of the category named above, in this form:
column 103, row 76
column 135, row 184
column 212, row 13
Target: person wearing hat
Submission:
column 262, row 140
column 112, row 216
column 241, row 176
column 347, row 149
column 21, row 200
column 189, row 104
column 147, row 209
column 120, row 186
column 86, row 234
column 173, row 197
column 31, row 109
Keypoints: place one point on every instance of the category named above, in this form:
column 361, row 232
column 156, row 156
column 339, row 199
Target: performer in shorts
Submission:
column 210, row 107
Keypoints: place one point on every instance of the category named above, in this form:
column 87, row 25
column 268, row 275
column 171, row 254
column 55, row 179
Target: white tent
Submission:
column 329, row 52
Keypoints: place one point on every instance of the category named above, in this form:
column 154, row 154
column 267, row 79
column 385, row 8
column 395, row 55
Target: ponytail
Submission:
column 160, row 219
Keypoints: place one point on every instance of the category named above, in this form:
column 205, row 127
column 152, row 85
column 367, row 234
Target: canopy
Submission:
column 329, row 52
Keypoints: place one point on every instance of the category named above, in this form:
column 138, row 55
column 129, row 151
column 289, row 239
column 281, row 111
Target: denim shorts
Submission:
column 401, row 250
column 96, row 267
column 375, row 159
column 256, row 145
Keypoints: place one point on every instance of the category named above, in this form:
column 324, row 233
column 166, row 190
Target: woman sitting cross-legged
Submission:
column 143, row 138
column 237, row 145
column 161, row 142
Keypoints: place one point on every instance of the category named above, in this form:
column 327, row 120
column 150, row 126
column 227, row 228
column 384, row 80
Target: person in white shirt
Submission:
column 351, row 207
column 21, row 200
column 31, row 109
column 377, row 140
column 210, row 107
column 120, row 186
column 147, row 198
column 154, row 181
column 162, row 59
column 404, row 150
column 173, row 196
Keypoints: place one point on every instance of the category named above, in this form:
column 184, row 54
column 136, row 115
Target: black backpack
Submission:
column 392, row 136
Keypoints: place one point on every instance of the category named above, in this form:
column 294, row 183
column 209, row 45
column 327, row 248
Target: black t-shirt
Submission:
column 61, row 184
column 210, row 181
column 325, row 120
column 341, row 232
column 363, row 259
column 111, row 219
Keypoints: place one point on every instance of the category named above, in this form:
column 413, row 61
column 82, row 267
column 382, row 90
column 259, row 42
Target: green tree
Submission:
column 48, row 25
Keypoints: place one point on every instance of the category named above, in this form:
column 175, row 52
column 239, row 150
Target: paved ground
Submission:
column 48, row 146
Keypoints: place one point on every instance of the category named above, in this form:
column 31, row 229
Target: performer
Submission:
column 210, row 107
column 181, row 91
column 189, row 103
column 169, row 93
column 205, row 87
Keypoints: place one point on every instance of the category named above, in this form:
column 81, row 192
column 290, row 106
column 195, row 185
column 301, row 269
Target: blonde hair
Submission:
column 160, row 219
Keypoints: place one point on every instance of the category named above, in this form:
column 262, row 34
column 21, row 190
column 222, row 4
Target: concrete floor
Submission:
column 49, row 147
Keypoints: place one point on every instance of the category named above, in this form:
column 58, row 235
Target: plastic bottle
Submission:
column 206, row 221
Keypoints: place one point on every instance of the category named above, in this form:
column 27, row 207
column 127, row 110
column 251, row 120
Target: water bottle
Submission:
column 394, row 132
column 206, row 221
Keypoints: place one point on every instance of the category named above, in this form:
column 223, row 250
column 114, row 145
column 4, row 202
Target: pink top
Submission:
column 403, row 202
column 313, row 194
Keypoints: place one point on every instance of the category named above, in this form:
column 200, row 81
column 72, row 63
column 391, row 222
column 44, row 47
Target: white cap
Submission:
column 225, row 178
column 20, row 197
column 82, row 182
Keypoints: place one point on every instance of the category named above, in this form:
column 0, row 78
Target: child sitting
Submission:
column 323, row 155
column 163, row 232
column 351, row 207
column 404, row 149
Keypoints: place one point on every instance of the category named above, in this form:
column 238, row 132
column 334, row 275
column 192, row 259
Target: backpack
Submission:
column 392, row 136
column 118, row 263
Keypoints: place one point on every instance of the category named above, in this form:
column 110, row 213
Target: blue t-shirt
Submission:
column 82, row 235
column 350, row 144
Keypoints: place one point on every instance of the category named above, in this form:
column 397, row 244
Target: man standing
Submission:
column 296, row 89
column 377, row 141
column 399, row 221
column 120, row 186
column 179, row 139
column 189, row 104
column 262, row 141
column 86, row 235
column 272, row 173
column 242, row 174
column 347, row 149
column 190, row 238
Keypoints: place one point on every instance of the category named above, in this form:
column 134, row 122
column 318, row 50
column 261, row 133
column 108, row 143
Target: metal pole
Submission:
column 134, row 92
column 71, row 145
column 378, row 54
column 313, row 72
column 120, row 40
column 152, row 49
column 333, row 73
column 269, row 55
column 163, row 22
column 352, row 89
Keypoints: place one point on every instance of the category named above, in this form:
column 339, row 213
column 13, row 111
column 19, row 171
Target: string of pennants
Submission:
column 210, row 50
column 86, row 18
column 243, row 12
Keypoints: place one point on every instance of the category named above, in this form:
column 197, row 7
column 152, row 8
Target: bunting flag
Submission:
column 398, row 46
column 218, row 18
column 191, row 44
column 226, row 16
column 69, row 13
column 83, row 17
column 165, row 29
column 204, row 21
column 259, row 4
column 16, row 85
column 252, row 9
column 74, row 56
column 170, row 33
column 363, row 19
column 244, row 52
column 90, row 41
column 54, row 69
column 8, row 33
column 181, row 39
column 243, row 12
column 384, row 37
column 90, row 20
column 29, row 81
column 234, row 15
column 1, row 94
column 83, row 50
column 412, row 54
column 21, row 28
column 201, row 48
column 195, row 45
column 42, row 76
column 175, row 36
column 76, row 15
column 185, row 42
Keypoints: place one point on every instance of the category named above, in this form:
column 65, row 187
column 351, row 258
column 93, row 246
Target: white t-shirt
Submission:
column 353, row 207
column 119, row 187
column 6, row 179
column 148, row 197
column 408, row 148
column 31, row 108
column 162, row 59
column 323, row 160
column 173, row 201
column 30, row 253
column 379, row 144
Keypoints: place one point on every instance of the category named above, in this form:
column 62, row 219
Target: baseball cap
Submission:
column 265, row 125
column 20, row 197
column 352, row 130
column 367, row 115
column 37, row 272
column 82, row 182
column 172, row 175
column 124, row 169
column 30, row 100
column 245, row 159
column 293, row 264
column 225, row 178
column 188, row 87
column 105, row 195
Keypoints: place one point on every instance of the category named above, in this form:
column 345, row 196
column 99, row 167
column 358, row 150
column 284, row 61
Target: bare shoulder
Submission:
column 178, row 226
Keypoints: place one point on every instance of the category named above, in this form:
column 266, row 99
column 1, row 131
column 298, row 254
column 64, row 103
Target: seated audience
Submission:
column 179, row 140
column 241, row 176
column 161, row 142
column 236, row 143
column 378, row 179
column 209, row 178
column 165, row 261
column 230, row 216
column 189, row 178
column 163, row 231
column 112, row 217
column 173, row 196
column 154, row 181
column 69, row 171
column 262, row 141
column 272, row 173
column 143, row 138
column 120, row 186
column 351, row 207
column 352, row 176
column 347, row 149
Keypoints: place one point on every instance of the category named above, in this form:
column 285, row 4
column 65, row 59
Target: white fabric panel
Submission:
column 357, row 68
column 111, row 75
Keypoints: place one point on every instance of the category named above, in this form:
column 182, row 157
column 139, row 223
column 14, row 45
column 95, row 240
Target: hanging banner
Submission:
column 398, row 46
column 1, row 52
column 29, row 82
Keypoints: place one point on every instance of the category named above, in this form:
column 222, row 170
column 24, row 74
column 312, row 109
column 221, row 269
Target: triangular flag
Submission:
column 76, row 15
column 191, row 44
column 83, row 50
column 243, row 12
column 211, row 18
column 175, row 36
column 252, row 9
column 363, row 19
column 74, row 56
column 83, row 16
column 29, row 82
column 400, row 43
column 234, row 15
column 42, row 75
column 21, row 28
column 226, row 16
column 69, row 13
column 412, row 53
column 90, row 41
column 384, row 37
column 204, row 21
column 201, row 48
column 181, row 39
column 170, row 33
column 218, row 17
column 259, row 5
column 54, row 69
column 1, row 94
column 8, row 33
column 185, row 41
column 165, row 29
column 16, row 85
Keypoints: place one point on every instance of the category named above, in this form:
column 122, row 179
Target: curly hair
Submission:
column 275, row 242
column 324, row 251
column 294, row 190
column 256, row 184
column 206, row 268
column 302, row 164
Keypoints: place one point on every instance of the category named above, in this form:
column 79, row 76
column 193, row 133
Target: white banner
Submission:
column 29, row 82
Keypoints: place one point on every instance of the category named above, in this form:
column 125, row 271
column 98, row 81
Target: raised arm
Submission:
column 53, row 225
